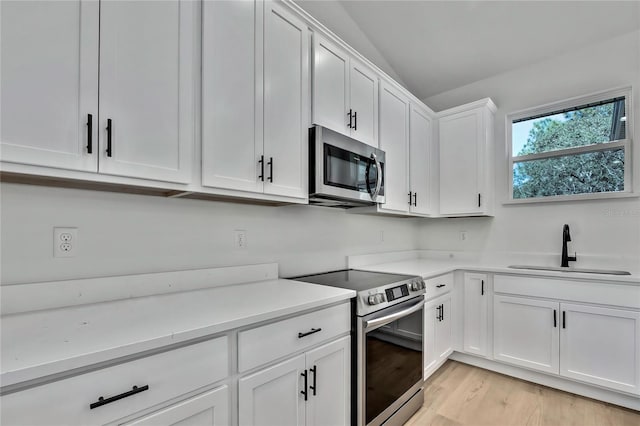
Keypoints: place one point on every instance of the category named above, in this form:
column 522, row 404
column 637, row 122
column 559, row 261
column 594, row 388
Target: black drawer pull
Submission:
column 564, row 319
column 103, row 401
column 313, row 330
column 270, row 164
column 314, row 370
column 109, row 132
column 482, row 289
column 555, row 320
column 355, row 120
column 441, row 285
column 305, row 392
column 89, row 133
column 261, row 162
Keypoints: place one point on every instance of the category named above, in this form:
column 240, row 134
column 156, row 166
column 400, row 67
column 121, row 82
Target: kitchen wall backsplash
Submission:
column 121, row 234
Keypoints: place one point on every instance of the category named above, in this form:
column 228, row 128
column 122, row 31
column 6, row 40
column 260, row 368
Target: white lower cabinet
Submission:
column 208, row 409
column 525, row 332
column 601, row 346
column 476, row 314
column 312, row 388
column 119, row 392
column 581, row 341
column 437, row 333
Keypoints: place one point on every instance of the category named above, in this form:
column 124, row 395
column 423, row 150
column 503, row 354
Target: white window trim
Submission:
column 568, row 103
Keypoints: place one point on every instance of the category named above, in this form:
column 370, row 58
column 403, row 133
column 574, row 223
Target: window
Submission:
column 572, row 150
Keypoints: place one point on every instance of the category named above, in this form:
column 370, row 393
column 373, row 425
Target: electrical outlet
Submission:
column 463, row 236
column 240, row 236
column 65, row 242
column 381, row 236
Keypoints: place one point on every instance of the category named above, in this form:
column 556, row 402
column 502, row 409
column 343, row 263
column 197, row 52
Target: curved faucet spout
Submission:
column 566, row 237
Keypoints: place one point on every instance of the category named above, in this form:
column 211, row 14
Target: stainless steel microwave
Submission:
column 342, row 171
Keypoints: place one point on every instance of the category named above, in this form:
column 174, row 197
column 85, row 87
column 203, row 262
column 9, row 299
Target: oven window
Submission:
column 393, row 362
column 344, row 169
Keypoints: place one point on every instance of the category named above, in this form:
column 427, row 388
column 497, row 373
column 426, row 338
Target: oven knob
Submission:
column 417, row 285
column 374, row 299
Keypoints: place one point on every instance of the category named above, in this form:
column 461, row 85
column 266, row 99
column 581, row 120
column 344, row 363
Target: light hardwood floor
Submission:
column 460, row 394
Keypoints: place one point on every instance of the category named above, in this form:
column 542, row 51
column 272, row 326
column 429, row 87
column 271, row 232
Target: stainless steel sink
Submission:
column 580, row 270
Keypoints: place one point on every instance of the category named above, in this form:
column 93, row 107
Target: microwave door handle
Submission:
column 379, row 322
column 374, row 157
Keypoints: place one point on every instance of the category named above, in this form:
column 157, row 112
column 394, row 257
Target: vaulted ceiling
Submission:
column 435, row 46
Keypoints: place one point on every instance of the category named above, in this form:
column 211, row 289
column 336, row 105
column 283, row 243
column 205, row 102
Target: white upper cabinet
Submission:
column 420, row 140
column 363, row 83
column 345, row 93
column 231, row 111
column 286, row 102
column 466, row 171
column 330, row 86
column 147, row 89
column 394, row 140
column 49, row 83
column 255, row 98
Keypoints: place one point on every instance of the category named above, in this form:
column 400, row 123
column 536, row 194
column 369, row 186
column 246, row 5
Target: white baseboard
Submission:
column 623, row 400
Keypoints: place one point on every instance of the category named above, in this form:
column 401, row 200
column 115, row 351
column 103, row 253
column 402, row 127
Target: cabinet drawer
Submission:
column 623, row 295
column 168, row 375
column 438, row 285
column 267, row 343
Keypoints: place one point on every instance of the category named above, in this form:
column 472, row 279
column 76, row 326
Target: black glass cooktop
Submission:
column 354, row 279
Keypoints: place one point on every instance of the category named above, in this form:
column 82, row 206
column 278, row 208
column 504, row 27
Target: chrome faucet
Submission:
column 566, row 237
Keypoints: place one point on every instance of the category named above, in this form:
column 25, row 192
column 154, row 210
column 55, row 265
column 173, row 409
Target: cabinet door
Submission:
column 526, row 332
column 49, row 83
column 394, row 123
column 363, row 86
column 210, row 409
column 329, row 372
column 443, row 330
column 476, row 310
column 431, row 319
column 286, row 112
column 330, row 85
column 272, row 396
column 232, row 94
column 146, row 89
column 460, row 158
column 420, row 135
column 601, row 346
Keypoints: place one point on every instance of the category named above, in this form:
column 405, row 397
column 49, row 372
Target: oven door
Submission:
column 390, row 368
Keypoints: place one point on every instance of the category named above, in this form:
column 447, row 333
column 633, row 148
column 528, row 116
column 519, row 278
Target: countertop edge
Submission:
column 54, row 369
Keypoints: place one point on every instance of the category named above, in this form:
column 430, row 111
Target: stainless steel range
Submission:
column 388, row 355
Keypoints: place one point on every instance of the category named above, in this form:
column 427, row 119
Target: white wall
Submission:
column 610, row 227
column 124, row 234
column 332, row 15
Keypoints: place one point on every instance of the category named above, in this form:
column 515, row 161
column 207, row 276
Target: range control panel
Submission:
column 397, row 292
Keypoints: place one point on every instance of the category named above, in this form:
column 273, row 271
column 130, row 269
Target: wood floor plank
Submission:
column 462, row 395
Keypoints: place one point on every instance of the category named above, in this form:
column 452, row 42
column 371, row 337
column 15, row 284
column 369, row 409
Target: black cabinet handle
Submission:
column 103, row 401
column 313, row 331
column 355, row 120
column 350, row 114
column 314, row 370
column 555, row 320
column 482, row 288
column 89, row 133
column 410, row 197
column 270, row 164
column 109, row 131
column 415, row 199
column 564, row 319
column 261, row 162
column 478, row 200
column 442, row 312
column 441, row 285
column 306, row 384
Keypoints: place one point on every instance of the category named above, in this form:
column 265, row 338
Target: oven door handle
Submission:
column 379, row 322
